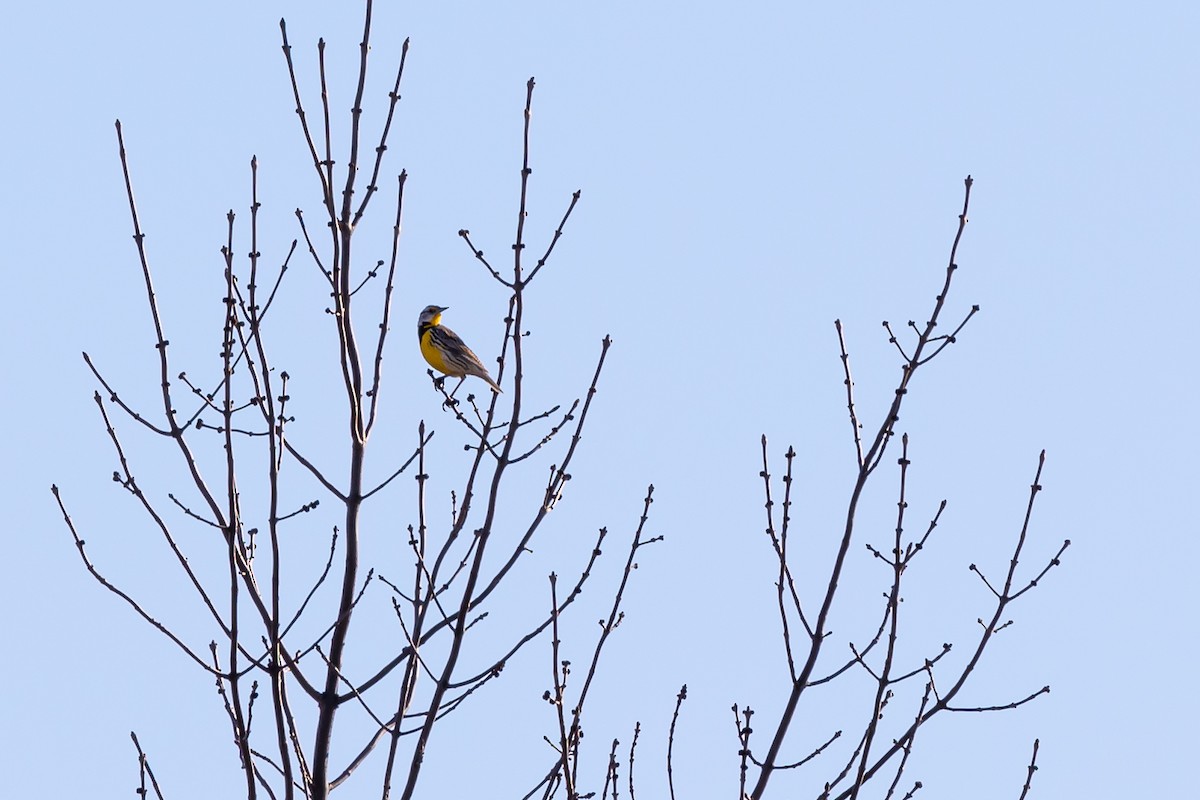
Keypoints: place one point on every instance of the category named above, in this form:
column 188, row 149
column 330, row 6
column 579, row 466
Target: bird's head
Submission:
column 432, row 315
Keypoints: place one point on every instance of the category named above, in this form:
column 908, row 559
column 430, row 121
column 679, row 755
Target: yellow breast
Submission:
column 431, row 353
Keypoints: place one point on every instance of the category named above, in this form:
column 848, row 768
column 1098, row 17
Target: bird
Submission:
column 446, row 352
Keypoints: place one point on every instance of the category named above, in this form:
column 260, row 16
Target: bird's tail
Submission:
column 479, row 371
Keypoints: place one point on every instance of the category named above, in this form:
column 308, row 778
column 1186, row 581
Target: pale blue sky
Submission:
column 750, row 172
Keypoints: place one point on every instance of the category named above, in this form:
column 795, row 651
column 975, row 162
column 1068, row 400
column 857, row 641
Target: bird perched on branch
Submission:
column 446, row 352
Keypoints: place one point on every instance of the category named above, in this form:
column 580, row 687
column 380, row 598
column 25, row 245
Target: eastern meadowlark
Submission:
column 446, row 352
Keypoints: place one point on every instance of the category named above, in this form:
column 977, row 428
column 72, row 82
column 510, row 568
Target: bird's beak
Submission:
column 442, row 308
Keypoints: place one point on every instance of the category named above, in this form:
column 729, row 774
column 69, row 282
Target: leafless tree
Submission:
column 264, row 614
column 283, row 637
column 875, row 755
